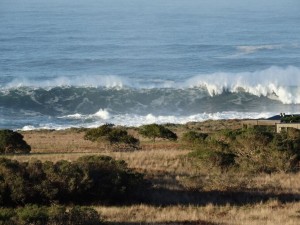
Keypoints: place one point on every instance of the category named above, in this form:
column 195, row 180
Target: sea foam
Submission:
column 249, row 49
column 278, row 83
column 109, row 81
column 282, row 83
column 138, row 120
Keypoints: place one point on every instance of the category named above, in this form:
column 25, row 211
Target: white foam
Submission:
column 72, row 116
column 28, row 127
column 103, row 114
column 275, row 81
column 48, row 126
column 249, row 49
column 108, row 81
column 138, row 120
column 278, row 83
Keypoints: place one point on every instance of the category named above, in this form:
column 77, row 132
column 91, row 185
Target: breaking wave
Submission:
column 276, row 83
column 90, row 121
column 91, row 101
column 66, row 102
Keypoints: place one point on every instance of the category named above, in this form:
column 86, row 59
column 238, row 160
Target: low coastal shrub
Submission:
column 213, row 158
column 154, row 131
column 118, row 138
column 252, row 150
column 291, row 119
column 90, row 179
column 12, row 142
column 54, row 215
column 194, row 138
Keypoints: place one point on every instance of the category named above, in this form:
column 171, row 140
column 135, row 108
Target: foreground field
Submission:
column 183, row 191
column 271, row 212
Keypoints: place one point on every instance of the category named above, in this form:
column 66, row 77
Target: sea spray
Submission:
column 138, row 120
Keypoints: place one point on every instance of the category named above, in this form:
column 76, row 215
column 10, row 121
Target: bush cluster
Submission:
column 291, row 119
column 154, row 131
column 12, row 142
column 116, row 137
column 90, row 179
column 54, row 215
column 253, row 149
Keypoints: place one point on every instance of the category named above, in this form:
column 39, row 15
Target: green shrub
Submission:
column 6, row 214
column 58, row 215
column 112, row 180
column 116, row 137
column 83, row 215
column 120, row 137
column 12, row 142
column 212, row 158
column 32, row 214
column 193, row 137
column 251, row 150
column 98, row 179
column 154, row 131
column 291, row 119
column 98, row 134
column 42, row 215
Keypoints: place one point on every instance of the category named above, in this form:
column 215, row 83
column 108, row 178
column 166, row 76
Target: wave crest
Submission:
column 108, row 81
column 275, row 82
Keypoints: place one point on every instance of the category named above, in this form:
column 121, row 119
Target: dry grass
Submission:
column 270, row 213
column 70, row 141
column 47, row 141
column 183, row 193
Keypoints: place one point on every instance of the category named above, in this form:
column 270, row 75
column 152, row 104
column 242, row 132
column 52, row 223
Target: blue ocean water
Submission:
column 83, row 63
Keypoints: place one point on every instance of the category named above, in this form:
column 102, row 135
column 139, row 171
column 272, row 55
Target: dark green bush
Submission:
column 12, row 142
column 83, row 215
column 154, row 131
column 212, row 158
column 120, row 137
column 291, row 119
column 32, row 214
column 111, row 179
column 6, row 214
column 98, row 134
column 98, row 179
column 54, row 215
column 252, row 150
column 116, row 137
column 193, row 137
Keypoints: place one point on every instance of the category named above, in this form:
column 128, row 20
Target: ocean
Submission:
column 85, row 63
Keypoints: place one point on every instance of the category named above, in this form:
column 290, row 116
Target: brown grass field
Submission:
column 184, row 192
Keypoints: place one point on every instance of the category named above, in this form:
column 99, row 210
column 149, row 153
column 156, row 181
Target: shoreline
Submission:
column 129, row 120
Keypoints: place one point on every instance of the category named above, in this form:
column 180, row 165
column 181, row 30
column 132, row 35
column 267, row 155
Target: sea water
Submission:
column 84, row 63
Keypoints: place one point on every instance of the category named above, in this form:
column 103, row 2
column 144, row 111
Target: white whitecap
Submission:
column 108, row 81
column 249, row 49
column 138, row 120
column 275, row 81
column 103, row 114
